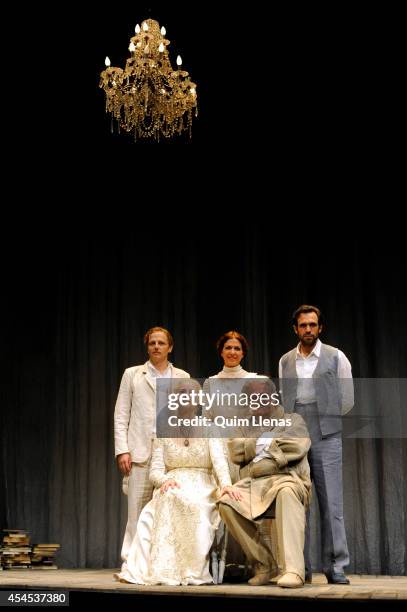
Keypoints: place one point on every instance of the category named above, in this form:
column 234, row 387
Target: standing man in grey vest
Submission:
column 316, row 382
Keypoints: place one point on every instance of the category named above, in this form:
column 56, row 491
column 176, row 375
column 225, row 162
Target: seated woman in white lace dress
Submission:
column 176, row 529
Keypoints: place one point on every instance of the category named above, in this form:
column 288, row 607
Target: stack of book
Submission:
column 15, row 553
column 43, row 556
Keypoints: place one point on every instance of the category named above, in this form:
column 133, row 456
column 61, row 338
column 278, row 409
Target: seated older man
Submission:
column 274, row 470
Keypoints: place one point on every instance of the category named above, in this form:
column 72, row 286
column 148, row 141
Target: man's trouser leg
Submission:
column 325, row 458
column 290, row 520
column 309, row 413
column 140, row 491
column 247, row 534
column 307, row 544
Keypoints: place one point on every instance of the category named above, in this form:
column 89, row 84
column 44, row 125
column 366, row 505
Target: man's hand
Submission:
column 169, row 484
column 124, row 463
column 233, row 492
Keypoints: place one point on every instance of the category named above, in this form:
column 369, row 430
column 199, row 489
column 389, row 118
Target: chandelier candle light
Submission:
column 148, row 97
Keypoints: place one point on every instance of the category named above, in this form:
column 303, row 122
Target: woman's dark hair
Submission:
column 228, row 336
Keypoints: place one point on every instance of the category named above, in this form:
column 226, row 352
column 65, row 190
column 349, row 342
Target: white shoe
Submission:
column 290, row 581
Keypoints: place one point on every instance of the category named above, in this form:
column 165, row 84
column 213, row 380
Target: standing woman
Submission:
column 232, row 347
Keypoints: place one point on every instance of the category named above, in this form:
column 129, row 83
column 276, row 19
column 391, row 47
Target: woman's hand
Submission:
column 169, row 484
column 233, row 492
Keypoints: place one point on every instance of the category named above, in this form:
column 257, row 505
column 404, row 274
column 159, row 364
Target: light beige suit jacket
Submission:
column 287, row 466
column 135, row 412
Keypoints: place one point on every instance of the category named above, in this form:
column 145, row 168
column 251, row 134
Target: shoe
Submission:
column 275, row 576
column 290, row 581
column 336, row 578
column 119, row 579
column 308, row 577
column 262, row 576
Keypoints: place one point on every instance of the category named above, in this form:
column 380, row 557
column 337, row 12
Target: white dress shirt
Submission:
column 154, row 373
column 305, row 366
column 262, row 446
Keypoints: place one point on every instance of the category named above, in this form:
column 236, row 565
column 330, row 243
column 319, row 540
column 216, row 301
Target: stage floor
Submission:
column 362, row 587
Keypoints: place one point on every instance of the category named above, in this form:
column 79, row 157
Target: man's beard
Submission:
column 309, row 340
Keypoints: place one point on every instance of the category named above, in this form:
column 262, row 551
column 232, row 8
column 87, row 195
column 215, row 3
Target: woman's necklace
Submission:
column 184, row 433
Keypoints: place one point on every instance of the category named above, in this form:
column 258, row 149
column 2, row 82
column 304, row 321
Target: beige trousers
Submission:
column 139, row 491
column 289, row 527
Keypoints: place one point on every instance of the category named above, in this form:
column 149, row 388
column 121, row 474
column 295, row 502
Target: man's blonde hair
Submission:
column 152, row 330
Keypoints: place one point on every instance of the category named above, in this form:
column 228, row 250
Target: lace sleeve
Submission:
column 157, row 470
column 219, row 462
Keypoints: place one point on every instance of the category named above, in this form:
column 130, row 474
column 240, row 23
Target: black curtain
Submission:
column 103, row 238
column 78, row 318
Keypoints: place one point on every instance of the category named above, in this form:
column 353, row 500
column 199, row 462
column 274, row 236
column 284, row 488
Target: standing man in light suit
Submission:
column 316, row 382
column 135, row 425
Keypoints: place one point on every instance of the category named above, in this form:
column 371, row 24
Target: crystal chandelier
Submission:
column 148, row 97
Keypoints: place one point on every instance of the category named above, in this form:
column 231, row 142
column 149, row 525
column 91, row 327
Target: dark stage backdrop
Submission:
column 279, row 87
column 290, row 107
column 78, row 311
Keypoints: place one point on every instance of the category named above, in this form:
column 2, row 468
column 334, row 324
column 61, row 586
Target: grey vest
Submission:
column 326, row 384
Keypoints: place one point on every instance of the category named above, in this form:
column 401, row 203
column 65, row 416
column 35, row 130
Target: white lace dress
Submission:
column 176, row 529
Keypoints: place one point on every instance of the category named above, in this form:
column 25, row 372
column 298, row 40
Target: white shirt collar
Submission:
column 315, row 351
column 156, row 373
column 233, row 369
